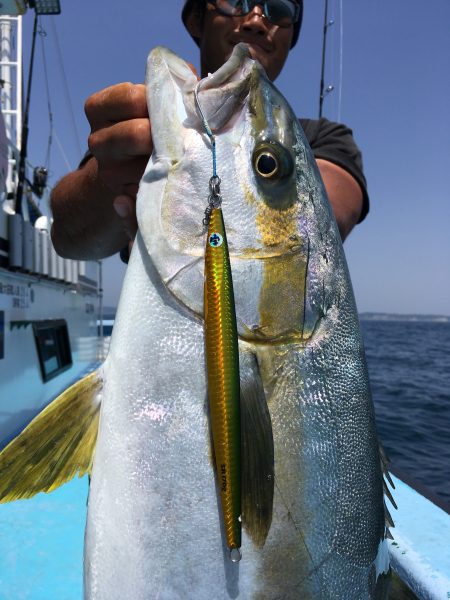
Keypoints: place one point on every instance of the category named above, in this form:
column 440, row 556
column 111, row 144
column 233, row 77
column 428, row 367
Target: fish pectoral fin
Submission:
column 257, row 453
column 58, row 443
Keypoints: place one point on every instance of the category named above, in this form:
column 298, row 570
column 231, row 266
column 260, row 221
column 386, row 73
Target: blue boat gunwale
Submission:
column 420, row 488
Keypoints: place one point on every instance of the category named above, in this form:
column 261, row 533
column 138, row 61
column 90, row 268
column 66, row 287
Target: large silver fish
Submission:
column 313, row 511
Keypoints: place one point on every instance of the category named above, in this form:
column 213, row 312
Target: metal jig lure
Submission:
column 222, row 358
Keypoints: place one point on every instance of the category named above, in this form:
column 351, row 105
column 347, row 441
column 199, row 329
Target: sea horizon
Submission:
column 109, row 312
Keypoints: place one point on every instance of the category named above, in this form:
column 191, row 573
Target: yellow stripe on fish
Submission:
column 222, row 361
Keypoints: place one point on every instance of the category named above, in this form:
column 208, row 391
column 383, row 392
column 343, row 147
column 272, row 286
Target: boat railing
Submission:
column 28, row 249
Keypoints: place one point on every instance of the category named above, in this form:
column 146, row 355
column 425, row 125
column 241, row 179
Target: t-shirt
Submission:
column 334, row 142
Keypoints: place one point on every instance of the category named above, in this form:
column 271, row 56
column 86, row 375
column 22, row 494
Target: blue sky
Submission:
column 394, row 93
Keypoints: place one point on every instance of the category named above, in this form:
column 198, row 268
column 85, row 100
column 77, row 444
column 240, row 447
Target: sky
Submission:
column 389, row 64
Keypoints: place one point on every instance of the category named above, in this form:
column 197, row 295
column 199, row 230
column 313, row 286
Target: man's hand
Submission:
column 120, row 141
column 94, row 207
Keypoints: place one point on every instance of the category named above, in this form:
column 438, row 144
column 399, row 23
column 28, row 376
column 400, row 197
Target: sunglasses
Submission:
column 282, row 13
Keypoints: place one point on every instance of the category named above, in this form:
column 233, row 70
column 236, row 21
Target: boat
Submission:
column 49, row 306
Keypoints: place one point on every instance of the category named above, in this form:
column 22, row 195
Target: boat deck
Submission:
column 41, row 545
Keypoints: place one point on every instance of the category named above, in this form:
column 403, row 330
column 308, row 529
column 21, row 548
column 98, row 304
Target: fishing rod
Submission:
column 330, row 88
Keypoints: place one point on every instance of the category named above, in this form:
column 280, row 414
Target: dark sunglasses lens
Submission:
column 280, row 12
column 235, row 8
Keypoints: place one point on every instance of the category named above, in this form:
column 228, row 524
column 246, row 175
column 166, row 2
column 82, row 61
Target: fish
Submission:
column 315, row 524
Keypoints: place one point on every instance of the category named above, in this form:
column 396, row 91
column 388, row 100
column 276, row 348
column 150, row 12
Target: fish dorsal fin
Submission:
column 55, row 446
column 257, row 452
column 387, row 480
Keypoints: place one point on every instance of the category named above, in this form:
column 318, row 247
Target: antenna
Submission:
column 329, row 88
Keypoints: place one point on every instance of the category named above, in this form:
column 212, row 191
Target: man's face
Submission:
column 267, row 43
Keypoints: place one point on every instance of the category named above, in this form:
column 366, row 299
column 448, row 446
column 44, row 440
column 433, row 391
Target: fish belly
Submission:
column 154, row 525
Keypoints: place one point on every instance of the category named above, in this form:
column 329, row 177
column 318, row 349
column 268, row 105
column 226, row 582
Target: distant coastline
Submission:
column 109, row 313
column 375, row 316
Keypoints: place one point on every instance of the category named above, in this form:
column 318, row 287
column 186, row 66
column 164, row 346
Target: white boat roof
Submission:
column 13, row 8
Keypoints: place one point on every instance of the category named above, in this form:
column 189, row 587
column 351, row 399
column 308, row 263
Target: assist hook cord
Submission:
column 215, row 198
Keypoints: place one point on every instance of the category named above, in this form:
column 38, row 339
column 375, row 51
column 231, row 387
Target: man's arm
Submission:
column 344, row 193
column 340, row 163
column 94, row 206
column 85, row 225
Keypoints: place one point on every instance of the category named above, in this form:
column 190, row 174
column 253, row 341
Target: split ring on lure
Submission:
column 222, row 361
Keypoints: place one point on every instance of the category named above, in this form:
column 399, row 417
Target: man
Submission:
column 94, row 206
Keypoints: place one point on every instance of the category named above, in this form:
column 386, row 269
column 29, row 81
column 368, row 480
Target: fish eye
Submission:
column 272, row 162
column 266, row 164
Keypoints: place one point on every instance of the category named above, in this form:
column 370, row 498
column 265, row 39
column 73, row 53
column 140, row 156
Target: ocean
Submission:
column 409, row 369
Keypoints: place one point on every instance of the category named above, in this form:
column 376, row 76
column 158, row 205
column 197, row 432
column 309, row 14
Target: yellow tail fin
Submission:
column 56, row 445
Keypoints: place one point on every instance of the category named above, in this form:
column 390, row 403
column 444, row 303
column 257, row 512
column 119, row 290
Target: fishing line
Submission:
column 206, row 127
column 66, row 87
column 61, row 149
column 297, row 528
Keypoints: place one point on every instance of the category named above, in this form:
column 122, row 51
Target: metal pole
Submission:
column 23, row 148
column 324, row 46
column 6, row 79
column 7, row 91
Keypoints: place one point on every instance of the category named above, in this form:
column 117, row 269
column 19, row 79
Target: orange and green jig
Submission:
column 222, row 361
